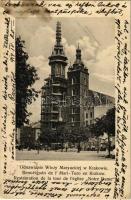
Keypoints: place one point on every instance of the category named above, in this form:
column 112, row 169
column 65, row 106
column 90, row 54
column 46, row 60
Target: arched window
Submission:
column 73, row 92
column 73, row 80
column 63, row 71
column 58, row 69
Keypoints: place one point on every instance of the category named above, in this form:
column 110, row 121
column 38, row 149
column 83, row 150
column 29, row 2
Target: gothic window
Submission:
column 73, row 80
column 55, row 90
column 63, row 71
column 73, row 92
column 73, row 110
column 54, row 117
column 87, row 115
column 53, row 125
column 53, row 70
column 55, row 108
column 60, row 51
column 57, row 51
column 73, row 119
column 91, row 114
column 85, row 81
column 58, row 69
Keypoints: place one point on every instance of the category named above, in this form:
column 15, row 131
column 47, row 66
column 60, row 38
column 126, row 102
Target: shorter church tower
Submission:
column 78, row 87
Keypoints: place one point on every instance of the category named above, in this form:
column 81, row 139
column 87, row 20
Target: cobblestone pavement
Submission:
column 53, row 155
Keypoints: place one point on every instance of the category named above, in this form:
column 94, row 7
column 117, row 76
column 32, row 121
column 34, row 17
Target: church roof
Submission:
column 98, row 98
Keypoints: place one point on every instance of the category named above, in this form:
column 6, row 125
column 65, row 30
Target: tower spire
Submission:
column 58, row 33
column 78, row 53
column 78, row 64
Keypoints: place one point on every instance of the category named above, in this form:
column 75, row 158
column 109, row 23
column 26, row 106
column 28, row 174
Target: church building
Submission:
column 67, row 99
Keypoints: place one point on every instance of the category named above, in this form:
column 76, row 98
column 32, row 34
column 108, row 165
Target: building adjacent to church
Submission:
column 68, row 100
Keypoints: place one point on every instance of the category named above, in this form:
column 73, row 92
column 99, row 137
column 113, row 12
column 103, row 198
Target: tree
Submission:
column 75, row 134
column 47, row 136
column 26, row 76
column 109, row 126
column 105, row 124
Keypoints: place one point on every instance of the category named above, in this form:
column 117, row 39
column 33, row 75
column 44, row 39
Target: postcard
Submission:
column 65, row 99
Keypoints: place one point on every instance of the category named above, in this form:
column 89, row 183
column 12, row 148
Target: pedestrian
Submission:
column 38, row 149
column 47, row 148
column 78, row 148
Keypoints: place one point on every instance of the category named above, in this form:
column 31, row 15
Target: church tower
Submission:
column 58, row 60
column 55, row 89
column 78, row 87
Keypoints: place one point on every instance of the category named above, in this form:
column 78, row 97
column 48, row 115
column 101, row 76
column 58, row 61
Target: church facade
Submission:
column 66, row 99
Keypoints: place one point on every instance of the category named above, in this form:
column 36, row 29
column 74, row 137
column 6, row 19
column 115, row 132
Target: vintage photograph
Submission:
column 65, row 89
column 65, row 99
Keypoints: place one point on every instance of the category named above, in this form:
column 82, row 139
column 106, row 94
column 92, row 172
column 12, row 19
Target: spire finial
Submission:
column 52, row 50
column 78, row 45
column 78, row 53
column 58, row 33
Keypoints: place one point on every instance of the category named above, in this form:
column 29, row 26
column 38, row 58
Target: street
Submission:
column 53, row 155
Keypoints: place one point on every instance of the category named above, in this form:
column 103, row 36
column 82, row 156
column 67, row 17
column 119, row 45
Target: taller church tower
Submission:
column 58, row 60
column 55, row 89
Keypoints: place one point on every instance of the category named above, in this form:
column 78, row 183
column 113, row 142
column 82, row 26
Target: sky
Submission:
column 96, row 40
